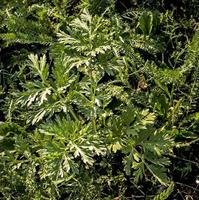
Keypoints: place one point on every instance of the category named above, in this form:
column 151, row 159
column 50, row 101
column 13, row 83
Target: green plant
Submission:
column 95, row 103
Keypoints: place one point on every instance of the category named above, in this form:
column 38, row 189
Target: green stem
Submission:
column 73, row 114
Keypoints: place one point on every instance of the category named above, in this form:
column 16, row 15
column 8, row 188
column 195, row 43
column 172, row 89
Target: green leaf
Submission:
column 146, row 23
column 116, row 146
column 165, row 193
column 158, row 172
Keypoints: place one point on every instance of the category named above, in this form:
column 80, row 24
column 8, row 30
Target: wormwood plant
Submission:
column 79, row 111
column 92, row 111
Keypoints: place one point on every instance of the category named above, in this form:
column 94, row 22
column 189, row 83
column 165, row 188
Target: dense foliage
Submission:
column 99, row 99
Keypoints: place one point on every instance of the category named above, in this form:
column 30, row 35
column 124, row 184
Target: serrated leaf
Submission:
column 165, row 193
column 116, row 146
